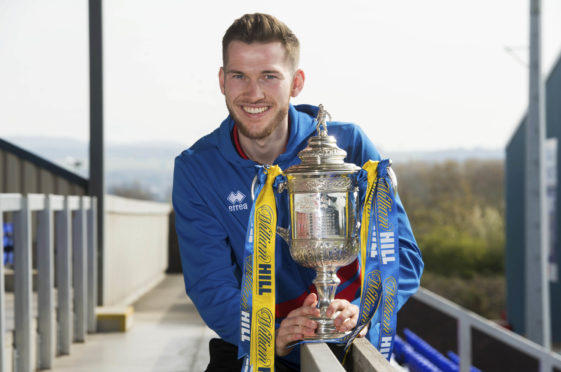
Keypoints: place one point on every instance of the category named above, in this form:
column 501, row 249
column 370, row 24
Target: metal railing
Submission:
column 318, row 357
column 468, row 320
column 74, row 220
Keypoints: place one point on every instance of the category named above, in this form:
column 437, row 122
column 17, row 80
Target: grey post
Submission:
column 538, row 326
column 92, row 265
column 8, row 203
column 79, row 242
column 96, row 185
column 23, row 289
column 45, row 280
column 464, row 343
column 64, row 272
column 3, row 355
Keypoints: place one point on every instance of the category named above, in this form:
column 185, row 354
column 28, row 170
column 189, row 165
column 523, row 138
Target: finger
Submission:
column 304, row 311
column 292, row 330
column 343, row 316
column 336, row 305
column 283, row 341
column 298, row 330
column 346, row 325
column 298, row 321
column 363, row 332
column 346, row 314
column 310, row 300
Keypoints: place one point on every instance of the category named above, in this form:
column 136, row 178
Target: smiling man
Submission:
column 212, row 196
column 258, row 79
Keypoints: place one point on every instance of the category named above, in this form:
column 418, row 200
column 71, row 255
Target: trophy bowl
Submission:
column 323, row 235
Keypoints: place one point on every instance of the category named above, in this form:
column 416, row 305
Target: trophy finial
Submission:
column 322, row 153
column 322, row 113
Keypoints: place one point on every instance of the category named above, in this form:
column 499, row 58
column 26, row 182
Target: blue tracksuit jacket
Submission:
column 212, row 201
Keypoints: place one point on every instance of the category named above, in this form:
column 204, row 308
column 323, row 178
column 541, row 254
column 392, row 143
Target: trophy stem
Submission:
column 326, row 283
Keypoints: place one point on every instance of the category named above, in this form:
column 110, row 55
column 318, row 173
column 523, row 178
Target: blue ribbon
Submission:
column 244, row 344
column 387, row 238
column 382, row 262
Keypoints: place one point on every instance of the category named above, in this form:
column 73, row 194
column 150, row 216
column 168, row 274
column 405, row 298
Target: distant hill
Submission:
column 150, row 164
column 459, row 155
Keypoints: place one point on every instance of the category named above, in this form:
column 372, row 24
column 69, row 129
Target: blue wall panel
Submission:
column 515, row 237
column 553, row 117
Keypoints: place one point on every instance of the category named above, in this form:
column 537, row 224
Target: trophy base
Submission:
column 326, row 330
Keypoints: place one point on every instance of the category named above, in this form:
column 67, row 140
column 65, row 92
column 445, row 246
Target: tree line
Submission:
column 457, row 212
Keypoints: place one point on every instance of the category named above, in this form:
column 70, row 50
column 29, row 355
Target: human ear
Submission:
column 297, row 83
column 221, row 79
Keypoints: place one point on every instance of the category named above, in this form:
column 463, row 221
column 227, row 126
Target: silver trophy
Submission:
column 324, row 227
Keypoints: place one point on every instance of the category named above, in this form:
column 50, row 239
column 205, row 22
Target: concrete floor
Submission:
column 168, row 335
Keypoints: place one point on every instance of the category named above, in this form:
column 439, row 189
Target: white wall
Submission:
column 135, row 250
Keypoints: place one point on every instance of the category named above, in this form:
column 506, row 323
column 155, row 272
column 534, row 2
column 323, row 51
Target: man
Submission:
column 212, row 195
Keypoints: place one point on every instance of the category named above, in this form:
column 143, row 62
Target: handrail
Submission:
column 468, row 320
column 366, row 358
column 363, row 357
column 77, row 236
column 317, row 357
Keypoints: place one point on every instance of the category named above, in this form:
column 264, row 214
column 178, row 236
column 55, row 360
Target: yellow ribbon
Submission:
column 371, row 167
column 263, row 313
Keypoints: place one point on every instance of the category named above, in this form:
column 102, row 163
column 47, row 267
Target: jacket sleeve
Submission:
column 212, row 276
column 410, row 259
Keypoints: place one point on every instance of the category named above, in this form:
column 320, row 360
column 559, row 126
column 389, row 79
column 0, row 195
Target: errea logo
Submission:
column 236, row 199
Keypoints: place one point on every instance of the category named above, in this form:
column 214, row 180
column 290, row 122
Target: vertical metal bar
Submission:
column 23, row 288
column 3, row 355
column 45, row 279
column 538, row 322
column 546, row 364
column 92, row 265
column 464, row 343
column 96, row 186
column 79, row 242
column 64, row 272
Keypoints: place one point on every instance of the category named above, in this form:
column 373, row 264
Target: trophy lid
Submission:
column 322, row 153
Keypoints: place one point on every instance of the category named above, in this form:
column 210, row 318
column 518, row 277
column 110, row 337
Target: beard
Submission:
column 266, row 130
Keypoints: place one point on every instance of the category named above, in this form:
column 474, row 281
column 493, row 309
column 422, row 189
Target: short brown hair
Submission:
column 262, row 28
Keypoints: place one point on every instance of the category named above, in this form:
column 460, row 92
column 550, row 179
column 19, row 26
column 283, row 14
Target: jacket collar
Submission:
column 301, row 127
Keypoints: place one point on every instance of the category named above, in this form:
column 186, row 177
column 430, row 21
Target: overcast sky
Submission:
column 416, row 75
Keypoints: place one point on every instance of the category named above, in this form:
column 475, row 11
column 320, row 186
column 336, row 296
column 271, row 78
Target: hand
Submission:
column 347, row 316
column 297, row 325
column 363, row 331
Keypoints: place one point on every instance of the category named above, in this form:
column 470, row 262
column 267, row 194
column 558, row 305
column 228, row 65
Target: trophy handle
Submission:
column 282, row 186
column 393, row 177
column 253, row 188
column 284, row 233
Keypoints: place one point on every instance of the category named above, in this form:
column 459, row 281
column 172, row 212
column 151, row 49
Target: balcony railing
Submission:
column 467, row 322
column 73, row 218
